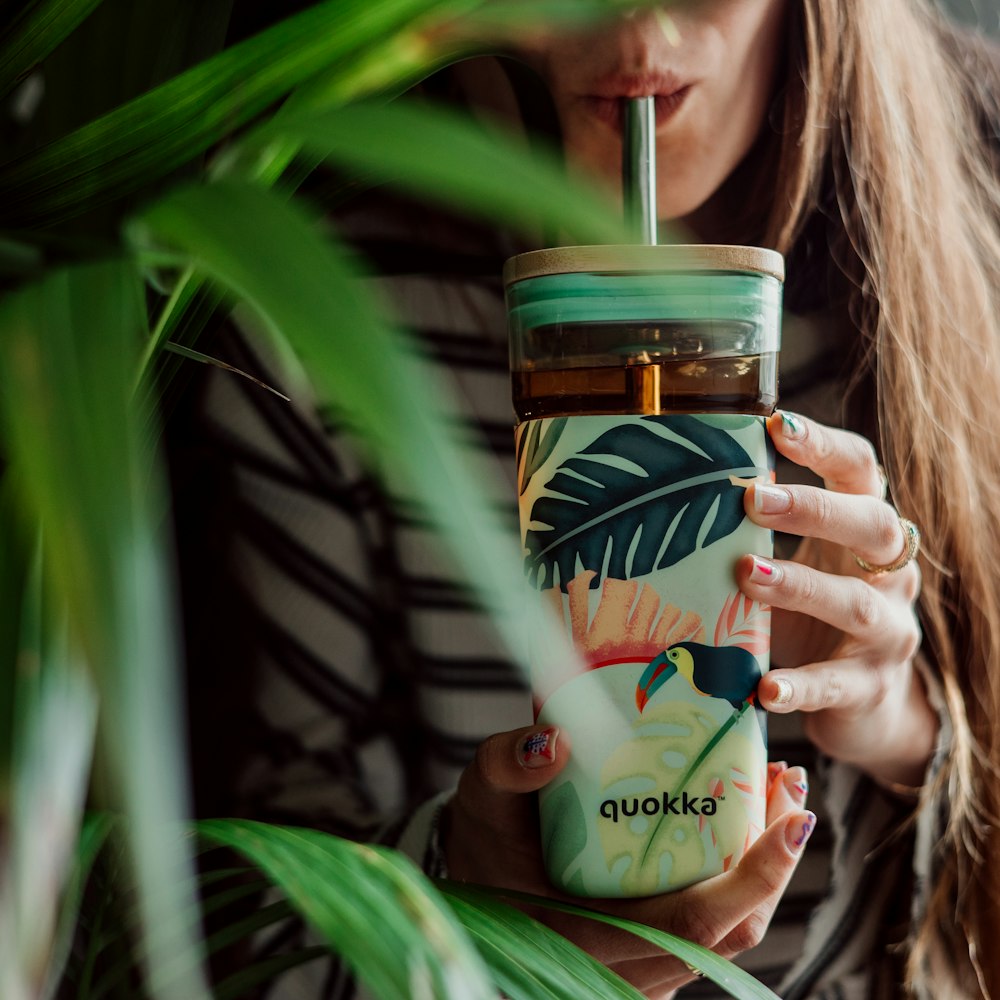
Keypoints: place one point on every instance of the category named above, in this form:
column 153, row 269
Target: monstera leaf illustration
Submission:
column 637, row 499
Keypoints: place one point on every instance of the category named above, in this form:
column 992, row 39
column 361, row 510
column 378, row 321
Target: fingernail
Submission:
column 797, row 782
column 792, row 425
column 776, row 767
column 771, row 499
column 764, row 571
column 782, row 691
column 538, row 749
column 798, row 831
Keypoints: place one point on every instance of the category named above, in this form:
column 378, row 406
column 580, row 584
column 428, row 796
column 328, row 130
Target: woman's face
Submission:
column 712, row 74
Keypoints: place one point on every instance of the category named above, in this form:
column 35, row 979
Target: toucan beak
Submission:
column 640, row 698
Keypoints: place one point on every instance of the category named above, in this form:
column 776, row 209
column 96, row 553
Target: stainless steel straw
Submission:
column 639, row 166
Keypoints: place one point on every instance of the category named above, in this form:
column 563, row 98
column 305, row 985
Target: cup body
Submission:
column 642, row 378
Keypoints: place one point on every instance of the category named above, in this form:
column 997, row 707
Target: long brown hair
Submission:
column 885, row 107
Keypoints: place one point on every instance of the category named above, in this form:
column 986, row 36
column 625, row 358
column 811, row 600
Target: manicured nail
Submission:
column 782, row 691
column 797, row 782
column 539, row 749
column 771, row 499
column 776, row 767
column 792, row 425
column 764, row 571
column 798, row 830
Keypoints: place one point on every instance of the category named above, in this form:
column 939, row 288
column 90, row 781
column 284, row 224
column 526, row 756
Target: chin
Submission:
column 677, row 197
column 680, row 204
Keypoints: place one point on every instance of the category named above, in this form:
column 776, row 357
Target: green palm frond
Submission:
column 90, row 640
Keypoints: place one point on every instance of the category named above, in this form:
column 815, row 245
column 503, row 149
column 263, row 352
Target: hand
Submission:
column 491, row 837
column 850, row 635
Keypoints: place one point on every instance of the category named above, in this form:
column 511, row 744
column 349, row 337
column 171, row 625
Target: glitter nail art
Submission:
column 791, row 425
column 807, row 828
column 539, row 748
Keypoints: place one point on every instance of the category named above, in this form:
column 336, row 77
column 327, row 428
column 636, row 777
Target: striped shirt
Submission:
column 368, row 675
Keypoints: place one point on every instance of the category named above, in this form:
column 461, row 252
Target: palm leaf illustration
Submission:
column 636, row 500
column 536, row 440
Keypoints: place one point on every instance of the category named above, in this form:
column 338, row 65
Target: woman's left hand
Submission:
column 849, row 634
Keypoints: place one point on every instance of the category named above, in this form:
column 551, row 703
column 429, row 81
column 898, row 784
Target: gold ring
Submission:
column 912, row 535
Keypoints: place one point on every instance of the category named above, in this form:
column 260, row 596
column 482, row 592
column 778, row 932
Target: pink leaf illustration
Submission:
column 743, row 622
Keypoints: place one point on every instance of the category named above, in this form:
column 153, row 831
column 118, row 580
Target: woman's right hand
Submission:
column 491, row 837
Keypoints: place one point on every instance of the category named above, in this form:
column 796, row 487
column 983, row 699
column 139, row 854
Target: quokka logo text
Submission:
column 667, row 804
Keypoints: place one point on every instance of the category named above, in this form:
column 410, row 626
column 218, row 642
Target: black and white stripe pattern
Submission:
column 376, row 675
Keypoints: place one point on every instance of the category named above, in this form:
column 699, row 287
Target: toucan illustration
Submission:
column 727, row 672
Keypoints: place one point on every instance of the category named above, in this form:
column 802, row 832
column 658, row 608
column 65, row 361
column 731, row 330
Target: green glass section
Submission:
column 687, row 296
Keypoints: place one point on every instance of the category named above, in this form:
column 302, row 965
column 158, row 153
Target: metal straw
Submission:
column 639, row 166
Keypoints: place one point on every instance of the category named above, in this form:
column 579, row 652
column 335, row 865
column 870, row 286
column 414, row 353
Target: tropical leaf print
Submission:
column 744, row 622
column 637, row 499
column 564, row 828
column 536, row 440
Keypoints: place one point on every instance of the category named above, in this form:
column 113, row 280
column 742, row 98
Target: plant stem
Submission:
column 699, row 760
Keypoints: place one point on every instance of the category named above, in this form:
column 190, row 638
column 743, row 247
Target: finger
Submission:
column 847, row 603
column 867, row 526
column 729, row 913
column 848, row 685
column 491, row 815
column 884, row 629
column 788, row 793
column 846, row 461
column 775, row 769
column 509, row 765
column 750, row 932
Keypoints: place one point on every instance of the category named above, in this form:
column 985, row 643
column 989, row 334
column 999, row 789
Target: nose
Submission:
column 644, row 32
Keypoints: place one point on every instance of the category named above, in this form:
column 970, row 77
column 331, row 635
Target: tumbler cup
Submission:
column 642, row 378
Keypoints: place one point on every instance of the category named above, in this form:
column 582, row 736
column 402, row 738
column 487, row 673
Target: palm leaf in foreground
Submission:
column 529, row 961
column 31, row 36
column 734, row 980
column 439, row 153
column 176, row 122
column 371, row 905
column 69, row 346
column 308, row 292
column 93, row 833
column 54, row 740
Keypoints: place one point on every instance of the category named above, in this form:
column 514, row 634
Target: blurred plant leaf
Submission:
column 34, row 33
column 187, row 352
column 68, row 349
column 176, row 122
column 238, row 985
column 528, row 960
column 15, row 556
column 93, row 833
column 372, row 905
column 18, row 258
column 734, row 980
column 122, row 50
column 118, row 971
column 306, row 288
column 432, row 151
column 55, row 712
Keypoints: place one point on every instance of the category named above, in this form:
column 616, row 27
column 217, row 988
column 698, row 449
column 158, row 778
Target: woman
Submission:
column 849, row 136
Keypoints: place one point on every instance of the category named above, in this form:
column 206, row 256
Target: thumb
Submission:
column 491, row 827
column 511, row 764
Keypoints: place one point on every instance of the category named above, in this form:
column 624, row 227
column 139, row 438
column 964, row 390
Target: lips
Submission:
column 607, row 101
